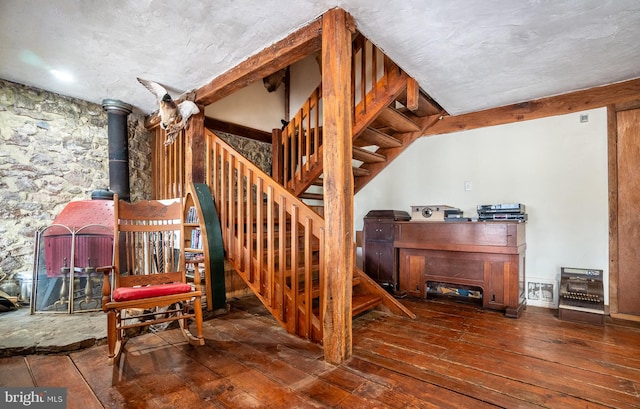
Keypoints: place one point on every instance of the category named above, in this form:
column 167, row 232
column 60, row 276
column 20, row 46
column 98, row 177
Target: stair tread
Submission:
column 367, row 156
column 372, row 136
column 399, row 122
column 316, row 284
column 364, row 302
column 311, row 196
column 359, row 302
column 360, row 172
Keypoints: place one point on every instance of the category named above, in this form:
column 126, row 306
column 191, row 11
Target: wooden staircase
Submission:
column 276, row 244
column 390, row 112
column 272, row 235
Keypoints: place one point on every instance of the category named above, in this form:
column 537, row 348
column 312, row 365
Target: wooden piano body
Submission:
column 486, row 255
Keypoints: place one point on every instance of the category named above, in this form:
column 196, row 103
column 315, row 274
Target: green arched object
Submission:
column 216, row 247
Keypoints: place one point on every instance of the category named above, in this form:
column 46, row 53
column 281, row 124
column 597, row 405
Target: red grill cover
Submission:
column 92, row 221
column 94, row 214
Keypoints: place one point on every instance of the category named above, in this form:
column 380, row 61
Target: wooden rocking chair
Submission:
column 149, row 272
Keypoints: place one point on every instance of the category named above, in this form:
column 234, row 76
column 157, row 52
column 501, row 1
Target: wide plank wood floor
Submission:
column 453, row 356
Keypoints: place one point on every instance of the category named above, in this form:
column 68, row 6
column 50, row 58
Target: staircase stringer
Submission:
column 373, row 169
column 387, row 299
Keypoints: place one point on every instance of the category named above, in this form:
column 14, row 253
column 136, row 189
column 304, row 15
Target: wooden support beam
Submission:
column 338, row 186
column 413, row 94
column 236, row 129
column 280, row 55
column 194, row 149
column 612, row 144
column 562, row 104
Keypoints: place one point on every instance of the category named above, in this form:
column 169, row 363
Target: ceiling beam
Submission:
column 291, row 49
column 591, row 98
column 238, row 130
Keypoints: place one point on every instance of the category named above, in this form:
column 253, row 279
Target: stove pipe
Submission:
column 117, row 113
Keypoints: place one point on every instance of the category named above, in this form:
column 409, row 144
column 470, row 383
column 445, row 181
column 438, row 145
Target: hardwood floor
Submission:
column 452, row 356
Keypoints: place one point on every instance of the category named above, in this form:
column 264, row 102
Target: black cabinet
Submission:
column 378, row 256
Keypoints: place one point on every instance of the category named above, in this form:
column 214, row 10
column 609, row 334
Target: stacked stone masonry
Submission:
column 54, row 150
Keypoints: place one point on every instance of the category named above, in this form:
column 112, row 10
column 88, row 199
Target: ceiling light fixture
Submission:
column 62, row 75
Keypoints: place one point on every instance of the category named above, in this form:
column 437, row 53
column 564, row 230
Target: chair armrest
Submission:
column 106, row 284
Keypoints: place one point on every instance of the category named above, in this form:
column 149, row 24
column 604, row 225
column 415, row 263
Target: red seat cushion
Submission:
column 137, row 293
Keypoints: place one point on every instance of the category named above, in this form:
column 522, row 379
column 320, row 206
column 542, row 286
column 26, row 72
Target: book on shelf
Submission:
column 194, row 257
column 196, row 238
column 192, row 215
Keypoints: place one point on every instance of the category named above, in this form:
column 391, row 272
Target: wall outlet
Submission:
column 467, row 185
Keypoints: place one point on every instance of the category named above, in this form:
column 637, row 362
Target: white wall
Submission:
column 255, row 107
column 556, row 167
column 305, row 77
column 251, row 106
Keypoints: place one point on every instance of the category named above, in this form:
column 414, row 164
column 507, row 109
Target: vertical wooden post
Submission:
column 338, row 185
column 612, row 144
column 277, row 156
column 194, row 149
column 413, row 94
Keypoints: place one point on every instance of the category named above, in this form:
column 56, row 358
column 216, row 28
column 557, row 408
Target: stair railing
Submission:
column 274, row 240
column 376, row 81
column 300, row 146
column 369, row 65
column 168, row 165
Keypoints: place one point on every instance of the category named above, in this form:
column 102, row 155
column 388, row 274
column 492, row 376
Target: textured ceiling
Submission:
column 468, row 55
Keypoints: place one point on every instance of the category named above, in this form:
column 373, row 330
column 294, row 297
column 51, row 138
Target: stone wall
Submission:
column 53, row 150
column 257, row 152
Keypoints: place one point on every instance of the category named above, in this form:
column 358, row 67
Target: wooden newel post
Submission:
column 194, row 149
column 338, row 185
